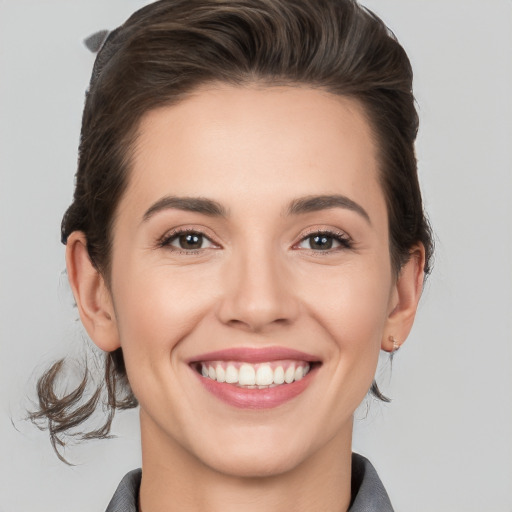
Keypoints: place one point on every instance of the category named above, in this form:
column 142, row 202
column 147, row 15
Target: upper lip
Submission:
column 254, row 355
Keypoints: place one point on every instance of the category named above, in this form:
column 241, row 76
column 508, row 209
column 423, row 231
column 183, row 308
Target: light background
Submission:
column 445, row 443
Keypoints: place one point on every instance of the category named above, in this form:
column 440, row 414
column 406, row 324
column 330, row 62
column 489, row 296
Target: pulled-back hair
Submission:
column 168, row 49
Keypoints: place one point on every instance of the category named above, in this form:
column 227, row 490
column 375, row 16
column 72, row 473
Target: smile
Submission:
column 250, row 378
column 255, row 376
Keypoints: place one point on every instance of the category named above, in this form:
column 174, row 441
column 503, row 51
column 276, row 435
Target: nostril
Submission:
column 258, row 325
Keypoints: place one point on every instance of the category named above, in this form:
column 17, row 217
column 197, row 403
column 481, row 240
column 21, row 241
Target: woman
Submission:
column 246, row 235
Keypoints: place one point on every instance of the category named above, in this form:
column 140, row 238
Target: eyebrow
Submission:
column 324, row 202
column 298, row 206
column 188, row 204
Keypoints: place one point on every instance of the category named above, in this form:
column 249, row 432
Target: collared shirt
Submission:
column 368, row 493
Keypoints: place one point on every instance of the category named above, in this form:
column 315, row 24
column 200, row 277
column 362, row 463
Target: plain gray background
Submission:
column 445, row 443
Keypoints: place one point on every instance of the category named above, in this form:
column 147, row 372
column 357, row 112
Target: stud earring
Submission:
column 396, row 345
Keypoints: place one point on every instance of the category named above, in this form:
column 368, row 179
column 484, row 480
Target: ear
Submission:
column 91, row 294
column 404, row 300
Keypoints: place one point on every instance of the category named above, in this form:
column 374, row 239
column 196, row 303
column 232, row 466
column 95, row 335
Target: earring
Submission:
column 396, row 345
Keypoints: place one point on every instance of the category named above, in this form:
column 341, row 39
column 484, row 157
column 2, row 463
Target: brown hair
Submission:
column 166, row 50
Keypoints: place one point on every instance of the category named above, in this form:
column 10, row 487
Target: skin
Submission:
column 256, row 282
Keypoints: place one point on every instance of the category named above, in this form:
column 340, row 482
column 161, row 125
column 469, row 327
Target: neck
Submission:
column 176, row 480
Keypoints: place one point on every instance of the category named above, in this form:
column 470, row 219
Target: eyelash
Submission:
column 168, row 238
column 344, row 241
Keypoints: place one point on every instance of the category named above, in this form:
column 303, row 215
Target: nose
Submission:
column 258, row 292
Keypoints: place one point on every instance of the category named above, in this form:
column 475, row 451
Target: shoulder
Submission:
column 126, row 497
column 368, row 493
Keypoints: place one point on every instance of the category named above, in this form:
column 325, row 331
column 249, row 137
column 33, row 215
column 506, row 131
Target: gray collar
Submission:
column 368, row 493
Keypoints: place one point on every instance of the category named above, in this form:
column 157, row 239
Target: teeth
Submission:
column 246, row 375
column 259, row 376
column 231, row 374
column 279, row 375
column 221, row 373
column 264, row 375
column 289, row 374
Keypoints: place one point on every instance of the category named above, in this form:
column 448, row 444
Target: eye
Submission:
column 187, row 241
column 325, row 241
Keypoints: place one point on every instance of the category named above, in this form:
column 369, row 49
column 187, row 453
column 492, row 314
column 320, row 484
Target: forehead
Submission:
column 255, row 144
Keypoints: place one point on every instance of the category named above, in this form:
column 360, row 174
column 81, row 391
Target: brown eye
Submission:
column 325, row 242
column 320, row 242
column 188, row 241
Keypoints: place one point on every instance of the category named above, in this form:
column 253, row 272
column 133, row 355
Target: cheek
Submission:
column 357, row 327
column 351, row 303
column 155, row 310
column 352, row 294
column 157, row 307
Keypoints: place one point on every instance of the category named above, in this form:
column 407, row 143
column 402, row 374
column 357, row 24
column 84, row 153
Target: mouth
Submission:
column 255, row 378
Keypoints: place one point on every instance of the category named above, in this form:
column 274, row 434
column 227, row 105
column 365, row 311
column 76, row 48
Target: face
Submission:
column 251, row 278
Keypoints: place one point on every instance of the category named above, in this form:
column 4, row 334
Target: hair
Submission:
column 168, row 49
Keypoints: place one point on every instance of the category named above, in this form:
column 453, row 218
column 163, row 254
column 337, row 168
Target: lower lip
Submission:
column 266, row 398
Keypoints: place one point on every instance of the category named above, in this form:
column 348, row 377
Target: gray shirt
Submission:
column 368, row 493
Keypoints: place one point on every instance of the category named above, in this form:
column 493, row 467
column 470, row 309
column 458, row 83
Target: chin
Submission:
column 252, row 462
column 257, row 452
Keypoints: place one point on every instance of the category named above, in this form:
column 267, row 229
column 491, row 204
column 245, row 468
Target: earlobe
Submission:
column 91, row 294
column 406, row 295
